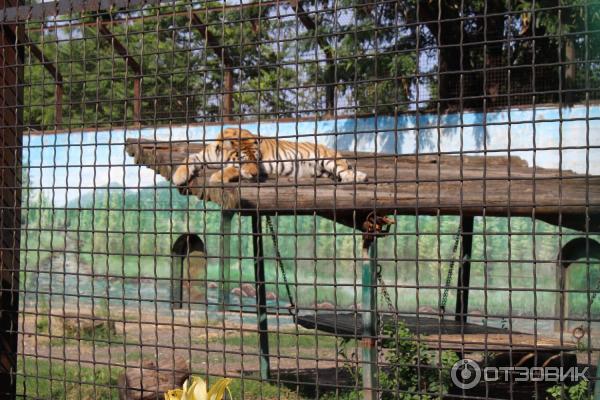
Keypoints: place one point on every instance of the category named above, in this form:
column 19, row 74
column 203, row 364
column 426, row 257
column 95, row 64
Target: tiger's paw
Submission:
column 183, row 174
column 353, row 176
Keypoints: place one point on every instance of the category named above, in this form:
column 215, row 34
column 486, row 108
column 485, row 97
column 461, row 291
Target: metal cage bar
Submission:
column 383, row 142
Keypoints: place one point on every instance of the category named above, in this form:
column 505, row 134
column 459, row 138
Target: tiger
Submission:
column 247, row 156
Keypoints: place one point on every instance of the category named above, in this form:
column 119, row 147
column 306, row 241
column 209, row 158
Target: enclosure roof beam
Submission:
column 131, row 64
column 311, row 26
column 120, row 48
column 45, row 10
column 49, row 65
column 220, row 50
column 21, row 13
column 24, row 40
column 226, row 60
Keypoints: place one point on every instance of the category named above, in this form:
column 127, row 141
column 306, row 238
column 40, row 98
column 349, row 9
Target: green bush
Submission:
column 415, row 372
column 580, row 391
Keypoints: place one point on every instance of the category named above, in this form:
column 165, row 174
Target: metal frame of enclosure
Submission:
column 472, row 246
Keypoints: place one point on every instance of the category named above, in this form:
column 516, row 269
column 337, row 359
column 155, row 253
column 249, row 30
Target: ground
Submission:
column 214, row 346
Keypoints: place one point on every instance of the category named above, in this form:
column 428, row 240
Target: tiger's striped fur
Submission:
column 244, row 155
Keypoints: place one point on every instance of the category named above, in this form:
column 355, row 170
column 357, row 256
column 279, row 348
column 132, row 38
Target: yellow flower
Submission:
column 174, row 394
column 195, row 389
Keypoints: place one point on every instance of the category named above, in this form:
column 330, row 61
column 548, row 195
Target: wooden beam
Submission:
column 41, row 11
column 39, row 54
column 212, row 42
column 58, row 96
column 228, row 95
column 132, row 65
column 11, row 83
column 52, row 69
column 120, row 49
column 137, row 100
column 133, row 13
column 226, row 61
column 24, row 40
column 469, row 186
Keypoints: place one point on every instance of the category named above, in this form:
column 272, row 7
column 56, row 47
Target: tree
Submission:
column 316, row 57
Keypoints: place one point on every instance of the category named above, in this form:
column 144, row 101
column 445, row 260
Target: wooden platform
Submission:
column 429, row 185
column 439, row 334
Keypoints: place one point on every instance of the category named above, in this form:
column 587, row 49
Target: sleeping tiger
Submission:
column 244, row 155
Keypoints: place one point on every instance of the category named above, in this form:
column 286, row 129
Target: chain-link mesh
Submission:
column 316, row 199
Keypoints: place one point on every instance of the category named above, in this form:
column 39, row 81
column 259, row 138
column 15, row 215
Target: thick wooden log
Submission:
column 427, row 185
column 151, row 380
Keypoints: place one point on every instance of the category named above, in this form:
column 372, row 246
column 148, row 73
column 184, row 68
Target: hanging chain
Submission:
column 450, row 272
column 595, row 293
column 292, row 308
column 390, row 304
column 391, row 308
column 386, row 295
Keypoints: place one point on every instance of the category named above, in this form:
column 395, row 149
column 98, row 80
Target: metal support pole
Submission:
column 464, row 270
column 11, row 131
column 562, row 299
column 177, row 261
column 228, row 95
column 369, row 319
column 597, row 383
column 137, row 100
column 261, row 296
column 225, row 261
column 58, row 101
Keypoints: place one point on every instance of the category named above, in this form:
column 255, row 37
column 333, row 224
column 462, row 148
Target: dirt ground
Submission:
column 217, row 345
column 208, row 344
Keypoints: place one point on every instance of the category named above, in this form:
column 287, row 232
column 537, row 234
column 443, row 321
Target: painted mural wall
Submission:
column 77, row 163
column 118, row 220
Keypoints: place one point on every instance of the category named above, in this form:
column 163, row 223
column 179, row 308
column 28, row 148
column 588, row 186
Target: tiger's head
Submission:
column 233, row 146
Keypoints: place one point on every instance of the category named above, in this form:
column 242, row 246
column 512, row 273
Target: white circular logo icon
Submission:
column 465, row 374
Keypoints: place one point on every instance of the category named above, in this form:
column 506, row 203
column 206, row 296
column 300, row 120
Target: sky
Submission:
column 68, row 166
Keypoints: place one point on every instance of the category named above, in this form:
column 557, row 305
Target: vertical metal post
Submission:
column 11, row 130
column 225, row 261
column 261, row 296
column 177, row 261
column 228, row 95
column 369, row 319
column 137, row 100
column 597, row 383
column 464, row 270
column 562, row 299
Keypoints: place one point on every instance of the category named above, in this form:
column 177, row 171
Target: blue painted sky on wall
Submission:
column 69, row 166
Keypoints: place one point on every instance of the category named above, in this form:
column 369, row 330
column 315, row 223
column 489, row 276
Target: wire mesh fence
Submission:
column 314, row 199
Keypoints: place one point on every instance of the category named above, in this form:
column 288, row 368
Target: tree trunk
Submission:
column 494, row 33
column 449, row 65
column 570, row 71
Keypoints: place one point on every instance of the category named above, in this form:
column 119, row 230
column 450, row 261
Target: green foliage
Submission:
column 580, row 391
column 39, row 378
column 415, row 372
column 42, row 324
column 374, row 56
column 412, row 370
column 130, row 233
